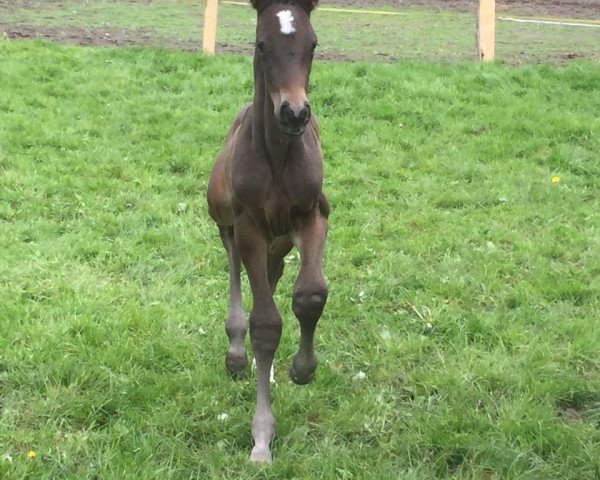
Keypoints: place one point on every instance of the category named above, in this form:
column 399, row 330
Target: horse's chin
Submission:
column 291, row 131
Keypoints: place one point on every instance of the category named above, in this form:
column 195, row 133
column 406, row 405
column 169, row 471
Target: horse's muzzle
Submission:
column 292, row 120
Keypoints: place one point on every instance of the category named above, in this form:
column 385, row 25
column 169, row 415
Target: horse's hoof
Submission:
column 261, row 456
column 301, row 378
column 237, row 364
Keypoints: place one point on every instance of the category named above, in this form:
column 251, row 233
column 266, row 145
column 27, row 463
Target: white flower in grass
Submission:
column 201, row 331
column 359, row 376
column 359, row 299
column 385, row 334
column 223, row 417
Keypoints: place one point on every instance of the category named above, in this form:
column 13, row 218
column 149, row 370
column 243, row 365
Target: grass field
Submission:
column 412, row 34
column 464, row 282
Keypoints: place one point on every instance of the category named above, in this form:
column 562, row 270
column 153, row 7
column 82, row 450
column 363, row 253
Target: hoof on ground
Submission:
column 261, row 456
column 301, row 377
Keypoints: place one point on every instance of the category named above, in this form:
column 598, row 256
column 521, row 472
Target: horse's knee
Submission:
column 308, row 303
column 265, row 330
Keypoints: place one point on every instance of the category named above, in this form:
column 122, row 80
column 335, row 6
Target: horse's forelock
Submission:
column 307, row 5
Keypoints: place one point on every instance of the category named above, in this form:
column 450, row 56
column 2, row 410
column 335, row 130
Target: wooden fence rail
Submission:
column 486, row 28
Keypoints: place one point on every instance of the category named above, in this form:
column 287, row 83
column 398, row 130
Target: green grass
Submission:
column 477, row 326
column 415, row 34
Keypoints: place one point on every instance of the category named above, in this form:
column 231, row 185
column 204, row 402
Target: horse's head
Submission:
column 285, row 44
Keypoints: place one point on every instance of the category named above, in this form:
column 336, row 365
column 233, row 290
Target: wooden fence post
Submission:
column 209, row 39
column 486, row 30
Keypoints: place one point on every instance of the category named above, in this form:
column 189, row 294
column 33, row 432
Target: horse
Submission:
column 266, row 196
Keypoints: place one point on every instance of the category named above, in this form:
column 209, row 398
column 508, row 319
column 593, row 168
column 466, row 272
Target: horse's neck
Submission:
column 265, row 130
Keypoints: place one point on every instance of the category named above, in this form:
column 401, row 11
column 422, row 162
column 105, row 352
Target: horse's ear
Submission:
column 308, row 5
column 256, row 4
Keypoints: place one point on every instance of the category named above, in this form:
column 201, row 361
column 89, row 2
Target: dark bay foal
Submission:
column 265, row 194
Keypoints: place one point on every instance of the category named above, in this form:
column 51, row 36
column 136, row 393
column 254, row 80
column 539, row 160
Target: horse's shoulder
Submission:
column 238, row 120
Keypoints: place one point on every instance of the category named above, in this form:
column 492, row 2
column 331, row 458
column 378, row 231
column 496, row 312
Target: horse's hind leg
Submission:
column 236, row 324
column 310, row 291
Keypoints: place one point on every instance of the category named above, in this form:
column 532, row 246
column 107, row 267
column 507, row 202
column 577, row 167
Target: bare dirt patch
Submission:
column 93, row 37
column 79, row 36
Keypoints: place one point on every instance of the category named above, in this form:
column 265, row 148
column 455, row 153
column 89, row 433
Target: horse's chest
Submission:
column 282, row 197
column 274, row 194
column 300, row 188
column 286, row 198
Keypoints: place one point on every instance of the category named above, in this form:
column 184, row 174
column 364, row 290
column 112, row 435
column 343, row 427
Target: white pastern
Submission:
column 286, row 19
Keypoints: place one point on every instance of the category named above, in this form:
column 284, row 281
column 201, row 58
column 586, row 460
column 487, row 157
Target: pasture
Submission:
column 461, row 337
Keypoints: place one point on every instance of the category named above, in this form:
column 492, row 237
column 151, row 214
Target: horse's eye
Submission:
column 260, row 46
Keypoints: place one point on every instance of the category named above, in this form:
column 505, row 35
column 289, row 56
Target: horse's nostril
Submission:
column 289, row 113
column 303, row 115
column 284, row 109
column 296, row 118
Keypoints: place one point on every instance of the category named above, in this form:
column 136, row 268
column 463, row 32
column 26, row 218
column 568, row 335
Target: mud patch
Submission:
column 94, row 37
column 571, row 55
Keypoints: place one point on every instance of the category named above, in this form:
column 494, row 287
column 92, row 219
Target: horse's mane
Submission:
column 307, row 5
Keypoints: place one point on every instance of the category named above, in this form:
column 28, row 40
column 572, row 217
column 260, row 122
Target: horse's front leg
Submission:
column 265, row 330
column 310, row 290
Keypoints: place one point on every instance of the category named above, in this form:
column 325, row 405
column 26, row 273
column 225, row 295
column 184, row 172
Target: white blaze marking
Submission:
column 286, row 19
